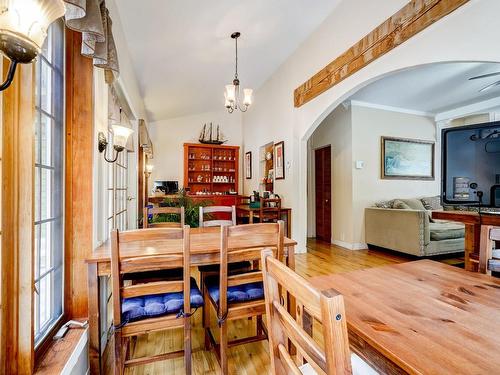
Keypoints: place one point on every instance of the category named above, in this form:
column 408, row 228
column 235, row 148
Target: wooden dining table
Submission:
column 205, row 250
column 421, row 317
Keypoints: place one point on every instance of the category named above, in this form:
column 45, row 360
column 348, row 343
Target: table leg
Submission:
column 250, row 217
column 94, row 320
column 485, row 252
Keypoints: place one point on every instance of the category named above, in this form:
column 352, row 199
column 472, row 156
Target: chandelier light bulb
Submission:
column 230, row 93
column 247, row 99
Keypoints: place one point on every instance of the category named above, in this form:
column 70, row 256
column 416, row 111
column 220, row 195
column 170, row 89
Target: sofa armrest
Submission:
column 406, row 231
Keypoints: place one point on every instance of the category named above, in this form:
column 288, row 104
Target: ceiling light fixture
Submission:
column 232, row 92
column 23, row 29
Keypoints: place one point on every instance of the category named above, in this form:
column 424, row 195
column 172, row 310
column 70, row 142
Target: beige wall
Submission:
column 336, row 131
column 168, row 137
column 369, row 125
column 354, row 134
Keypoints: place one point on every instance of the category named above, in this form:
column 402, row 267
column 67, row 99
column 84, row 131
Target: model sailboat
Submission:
column 207, row 136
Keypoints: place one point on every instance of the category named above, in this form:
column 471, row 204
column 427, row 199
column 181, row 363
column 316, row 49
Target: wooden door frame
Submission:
column 313, row 151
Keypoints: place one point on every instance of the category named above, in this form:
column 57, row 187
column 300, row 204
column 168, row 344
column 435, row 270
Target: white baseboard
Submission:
column 350, row 246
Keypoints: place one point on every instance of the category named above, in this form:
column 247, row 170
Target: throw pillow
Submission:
column 432, row 203
column 414, row 204
column 400, row 205
column 385, row 204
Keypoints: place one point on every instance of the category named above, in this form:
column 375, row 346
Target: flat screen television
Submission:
column 471, row 165
column 167, row 187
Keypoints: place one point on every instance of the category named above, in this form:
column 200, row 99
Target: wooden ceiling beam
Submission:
column 414, row 17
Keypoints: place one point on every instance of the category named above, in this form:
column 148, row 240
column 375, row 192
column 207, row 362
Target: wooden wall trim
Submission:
column 414, row 17
column 17, row 240
column 79, row 174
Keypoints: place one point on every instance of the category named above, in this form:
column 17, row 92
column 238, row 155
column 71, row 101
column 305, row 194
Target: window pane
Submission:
column 47, row 46
column 37, row 194
column 37, row 251
column 46, row 194
column 46, row 242
column 37, row 138
column 46, row 140
column 45, row 299
column 46, row 87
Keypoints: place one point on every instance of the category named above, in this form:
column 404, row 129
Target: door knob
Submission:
column 326, row 200
column 130, row 198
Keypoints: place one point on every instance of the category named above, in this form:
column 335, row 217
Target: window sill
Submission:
column 65, row 355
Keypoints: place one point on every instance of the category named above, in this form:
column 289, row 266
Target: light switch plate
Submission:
column 360, row 164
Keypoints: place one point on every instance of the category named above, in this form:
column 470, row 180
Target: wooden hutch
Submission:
column 211, row 170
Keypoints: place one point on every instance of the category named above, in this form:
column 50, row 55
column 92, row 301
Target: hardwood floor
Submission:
column 321, row 258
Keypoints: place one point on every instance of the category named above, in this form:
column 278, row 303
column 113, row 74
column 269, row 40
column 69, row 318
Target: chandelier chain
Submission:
column 236, row 68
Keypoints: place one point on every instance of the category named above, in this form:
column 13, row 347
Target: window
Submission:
column 49, row 179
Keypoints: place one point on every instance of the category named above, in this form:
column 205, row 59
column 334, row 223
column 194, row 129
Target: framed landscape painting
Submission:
column 279, row 160
column 407, row 159
column 248, row 165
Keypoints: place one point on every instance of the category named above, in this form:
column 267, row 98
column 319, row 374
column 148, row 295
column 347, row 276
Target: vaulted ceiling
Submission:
column 182, row 53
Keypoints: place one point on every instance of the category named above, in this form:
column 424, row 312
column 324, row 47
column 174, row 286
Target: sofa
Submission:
column 406, row 226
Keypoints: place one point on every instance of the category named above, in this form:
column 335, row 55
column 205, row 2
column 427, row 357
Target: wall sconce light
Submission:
column 23, row 29
column 149, row 169
column 120, row 138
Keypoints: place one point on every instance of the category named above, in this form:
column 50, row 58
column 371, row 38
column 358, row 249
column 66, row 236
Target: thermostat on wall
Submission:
column 360, row 164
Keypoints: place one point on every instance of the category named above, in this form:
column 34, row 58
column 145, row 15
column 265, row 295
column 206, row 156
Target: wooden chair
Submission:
column 327, row 307
column 270, row 210
column 163, row 210
column 220, row 291
column 127, row 319
column 489, row 258
column 211, row 210
column 242, row 218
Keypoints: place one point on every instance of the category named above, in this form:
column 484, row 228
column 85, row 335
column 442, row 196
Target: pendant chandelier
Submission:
column 232, row 93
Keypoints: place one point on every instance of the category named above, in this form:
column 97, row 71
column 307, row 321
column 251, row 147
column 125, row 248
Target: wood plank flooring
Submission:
column 253, row 359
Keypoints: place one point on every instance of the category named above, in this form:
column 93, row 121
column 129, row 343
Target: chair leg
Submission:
column 118, row 367
column 259, row 325
column 223, row 349
column 206, row 318
column 187, row 345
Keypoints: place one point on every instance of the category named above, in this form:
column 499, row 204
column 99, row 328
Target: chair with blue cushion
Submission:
column 211, row 216
column 326, row 307
column 152, row 306
column 239, row 296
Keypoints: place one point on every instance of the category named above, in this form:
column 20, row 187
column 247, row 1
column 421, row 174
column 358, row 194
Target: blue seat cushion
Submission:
column 232, row 267
column 143, row 307
column 237, row 293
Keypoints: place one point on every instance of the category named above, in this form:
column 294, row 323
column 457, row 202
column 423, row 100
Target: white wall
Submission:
column 368, row 126
column 273, row 116
column 168, row 137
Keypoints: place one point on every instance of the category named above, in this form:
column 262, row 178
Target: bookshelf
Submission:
column 211, row 169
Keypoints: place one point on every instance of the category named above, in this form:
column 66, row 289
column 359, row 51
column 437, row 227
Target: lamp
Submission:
column 149, row 169
column 232, row 92
column 23, row 29
column 120, row 138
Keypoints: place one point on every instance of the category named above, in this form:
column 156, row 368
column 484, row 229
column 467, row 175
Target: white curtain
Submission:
column 91, row 18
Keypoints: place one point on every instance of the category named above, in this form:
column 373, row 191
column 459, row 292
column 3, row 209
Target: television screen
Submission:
column 471, row 165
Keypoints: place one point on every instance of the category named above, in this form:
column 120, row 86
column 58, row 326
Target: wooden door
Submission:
column 323, row 178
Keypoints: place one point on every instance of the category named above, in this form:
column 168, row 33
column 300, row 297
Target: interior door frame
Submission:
column 313, row 180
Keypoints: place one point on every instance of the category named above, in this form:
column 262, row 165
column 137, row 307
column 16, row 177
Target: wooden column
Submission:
column 79, row 166
column 17, row 338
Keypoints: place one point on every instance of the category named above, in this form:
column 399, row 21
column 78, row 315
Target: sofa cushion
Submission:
column 446, row 231
column 144, row 307
column 432, row 203
column 237, row 293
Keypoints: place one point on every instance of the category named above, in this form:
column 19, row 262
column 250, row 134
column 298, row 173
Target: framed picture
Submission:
column 279, row 160
column 248, row 165
column 407, row 159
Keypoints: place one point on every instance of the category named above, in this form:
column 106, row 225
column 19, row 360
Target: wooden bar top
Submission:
column 467, row 217
column 202, row 240
column 422, row 317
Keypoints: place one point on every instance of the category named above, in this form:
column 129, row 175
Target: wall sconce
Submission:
column 149, row 169
column 23, row 29
column 120, row 138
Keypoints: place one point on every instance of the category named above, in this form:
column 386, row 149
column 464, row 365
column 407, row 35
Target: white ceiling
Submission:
column 183, row 55
column 432, row 88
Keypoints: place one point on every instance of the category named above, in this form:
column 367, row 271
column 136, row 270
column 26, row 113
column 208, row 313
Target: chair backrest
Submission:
column 326, row 307
column 164, row 210
column 215, row 210
column 261, row 236
column 270, row 208
column 143, row 263
column 244, row 199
